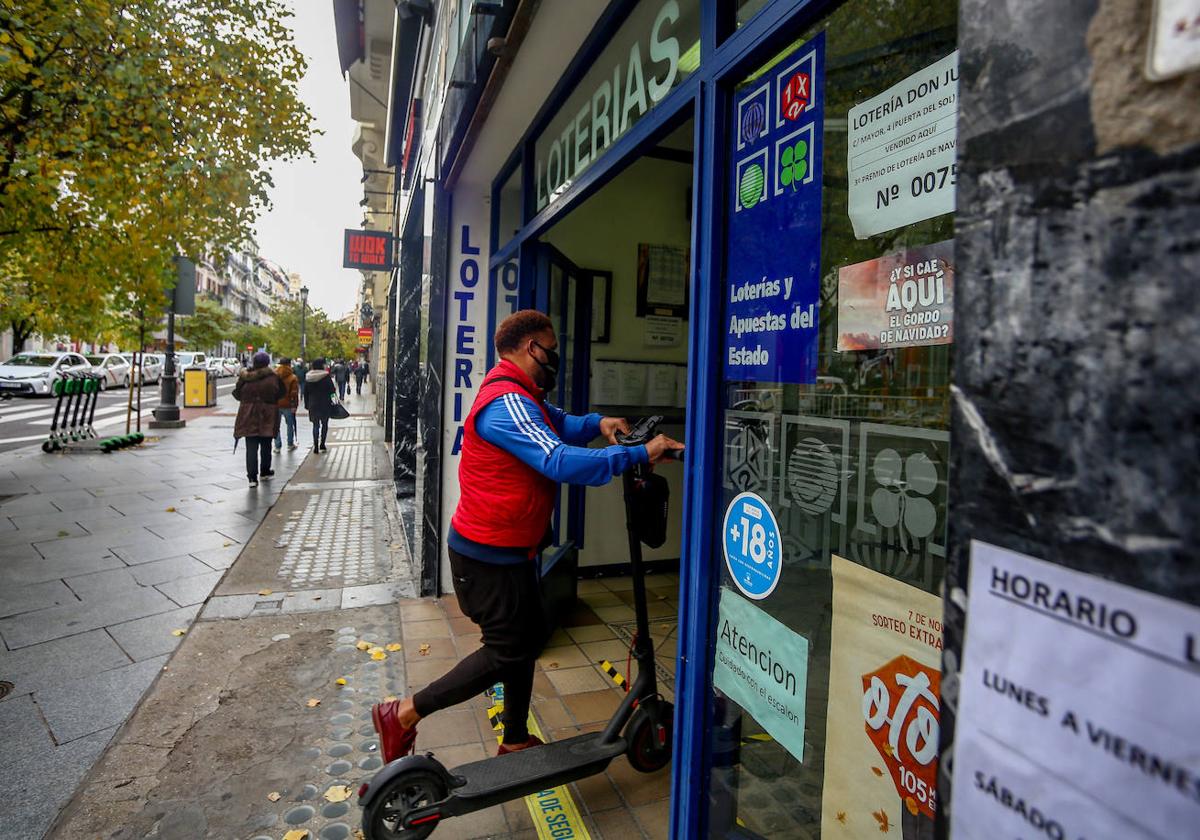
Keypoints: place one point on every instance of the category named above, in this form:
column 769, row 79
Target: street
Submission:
column 25, row 421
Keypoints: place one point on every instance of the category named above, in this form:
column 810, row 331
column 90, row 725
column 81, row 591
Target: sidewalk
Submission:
column 101, row 558
column 247, row 732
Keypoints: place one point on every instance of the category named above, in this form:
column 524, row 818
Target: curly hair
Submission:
column 519, row 326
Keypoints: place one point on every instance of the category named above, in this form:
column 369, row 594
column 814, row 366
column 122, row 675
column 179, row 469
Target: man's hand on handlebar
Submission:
column 660, row 446
column 609, row 426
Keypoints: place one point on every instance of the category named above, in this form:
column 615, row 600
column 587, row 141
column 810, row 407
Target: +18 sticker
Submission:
column 753, row 551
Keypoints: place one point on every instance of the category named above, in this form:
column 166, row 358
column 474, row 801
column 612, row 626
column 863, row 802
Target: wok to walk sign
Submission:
column 367, row 250
column 883, row 721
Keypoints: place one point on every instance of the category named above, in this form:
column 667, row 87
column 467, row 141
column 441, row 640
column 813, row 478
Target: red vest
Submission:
column 503, row 502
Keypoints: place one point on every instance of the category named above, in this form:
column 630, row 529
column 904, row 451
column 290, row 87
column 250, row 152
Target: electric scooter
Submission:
column 409, row 797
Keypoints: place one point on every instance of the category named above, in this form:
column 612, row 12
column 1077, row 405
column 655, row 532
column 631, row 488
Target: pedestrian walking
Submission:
column 516, row 449
column 288, row 404
column 360, row 373
column 300, row 368
column 341, row 375
column 258, row 390
column 318, row 399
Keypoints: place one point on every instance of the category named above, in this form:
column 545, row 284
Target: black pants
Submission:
column 258, row 451
column 506, row 603
column 320, row 431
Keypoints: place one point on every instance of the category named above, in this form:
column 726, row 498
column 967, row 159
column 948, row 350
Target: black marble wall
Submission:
column 406, row 366
column 1077, row 314
column 429, row 411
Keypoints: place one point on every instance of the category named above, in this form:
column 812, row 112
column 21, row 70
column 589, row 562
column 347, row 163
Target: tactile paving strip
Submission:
column 342, row 748
column 332, row 540
column 355, row 460
column 344, row 433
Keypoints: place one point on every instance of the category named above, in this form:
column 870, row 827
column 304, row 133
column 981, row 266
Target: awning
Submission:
column 348, row 25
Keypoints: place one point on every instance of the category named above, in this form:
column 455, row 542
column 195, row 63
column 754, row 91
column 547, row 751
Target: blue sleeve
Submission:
column 514, row 423
column 575, row 429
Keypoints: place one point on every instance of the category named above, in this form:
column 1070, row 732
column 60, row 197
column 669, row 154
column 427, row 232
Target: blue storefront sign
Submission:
column 772, row 270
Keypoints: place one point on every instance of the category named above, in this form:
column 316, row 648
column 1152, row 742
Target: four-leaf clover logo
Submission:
column 900, row 497
column 793, row 164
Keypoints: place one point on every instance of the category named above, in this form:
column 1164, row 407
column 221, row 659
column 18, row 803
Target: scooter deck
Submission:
column 537, row 768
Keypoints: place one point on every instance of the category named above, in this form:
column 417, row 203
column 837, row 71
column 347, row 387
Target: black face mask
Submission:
column 549, row 367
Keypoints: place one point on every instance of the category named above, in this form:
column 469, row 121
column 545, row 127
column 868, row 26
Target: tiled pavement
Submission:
column 101, row 558
column 571, row 695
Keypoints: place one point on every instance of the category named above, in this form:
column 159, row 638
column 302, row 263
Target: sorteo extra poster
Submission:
column 882, row 724
column 904, row 299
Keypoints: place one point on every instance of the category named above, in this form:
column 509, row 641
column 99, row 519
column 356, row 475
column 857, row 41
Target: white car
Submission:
column 232, row 367
column 118, row 373
column 152, row 365
column 36, row 373
column 187, row 360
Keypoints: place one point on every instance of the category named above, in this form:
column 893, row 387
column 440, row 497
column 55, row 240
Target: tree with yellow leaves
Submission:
column 132, row 131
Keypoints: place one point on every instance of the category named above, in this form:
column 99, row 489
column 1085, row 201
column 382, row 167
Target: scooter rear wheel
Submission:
column 384, row 817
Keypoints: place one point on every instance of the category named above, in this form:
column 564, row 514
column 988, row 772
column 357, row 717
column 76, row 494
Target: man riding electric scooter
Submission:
column 516, row 450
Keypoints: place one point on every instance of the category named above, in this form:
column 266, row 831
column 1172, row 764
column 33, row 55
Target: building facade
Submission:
column 910, row 279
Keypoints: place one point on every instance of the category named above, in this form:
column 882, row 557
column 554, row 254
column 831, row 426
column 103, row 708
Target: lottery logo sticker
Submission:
column 752, row 546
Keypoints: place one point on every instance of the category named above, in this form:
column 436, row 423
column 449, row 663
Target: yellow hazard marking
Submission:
column 554, row 814
column 612, row 672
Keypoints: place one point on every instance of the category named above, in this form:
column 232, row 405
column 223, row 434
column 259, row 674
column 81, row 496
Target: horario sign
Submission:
column 368, row 250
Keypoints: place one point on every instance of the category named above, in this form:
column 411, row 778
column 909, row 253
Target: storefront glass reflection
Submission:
column 845, row 463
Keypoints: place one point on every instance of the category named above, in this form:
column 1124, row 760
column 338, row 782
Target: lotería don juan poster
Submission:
column 773, row 259
column 883, row 718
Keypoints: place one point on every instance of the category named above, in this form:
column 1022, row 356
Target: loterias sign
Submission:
column 653, row 51
column 368, row 250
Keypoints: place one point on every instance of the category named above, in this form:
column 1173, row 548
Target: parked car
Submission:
column 232, row 366
column 187, row 360
column 152, row 365
column 118, row 373
column 36, row 373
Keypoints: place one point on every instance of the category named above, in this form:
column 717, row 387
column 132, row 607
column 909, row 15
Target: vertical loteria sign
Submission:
column 882, row 726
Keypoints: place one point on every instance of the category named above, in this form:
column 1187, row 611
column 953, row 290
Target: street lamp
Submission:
column 303, row 335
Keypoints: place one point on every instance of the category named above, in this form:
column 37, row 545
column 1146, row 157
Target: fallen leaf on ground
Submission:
column 358, row 835
column 391, row 698
column 378, row 655
column 313, row 702
column 374, row 649
column 297, row 834
column 64, row 533
column 338, row 793
column 340, row 681
column 170, row 510
column 264, row 592
column 226, row 544
column 877, row 771
column 178, row 632
column 393, row 647
column 274, row 796
column 423, row 650
column 363, row 645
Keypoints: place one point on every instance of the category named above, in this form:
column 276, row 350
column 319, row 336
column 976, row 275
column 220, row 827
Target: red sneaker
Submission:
column 532, row 741
column 395, row 739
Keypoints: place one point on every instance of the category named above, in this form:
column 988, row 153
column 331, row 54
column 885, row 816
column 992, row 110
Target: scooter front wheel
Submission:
column 384, row 817
column 649, row 735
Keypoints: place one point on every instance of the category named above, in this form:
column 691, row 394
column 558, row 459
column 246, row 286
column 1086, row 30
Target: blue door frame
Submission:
column 727, row 55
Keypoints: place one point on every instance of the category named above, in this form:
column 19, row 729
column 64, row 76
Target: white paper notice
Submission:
column 663, row 331
column 632, row 387
column 661, row 385
column 1174, row 39
column 606, row 383
column 1077, row 707
column 900, row 154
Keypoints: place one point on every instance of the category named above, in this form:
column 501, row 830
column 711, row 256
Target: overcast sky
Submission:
column 315, row 200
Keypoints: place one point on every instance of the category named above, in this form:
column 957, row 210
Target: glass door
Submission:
column 837, row 288
column 561, row 287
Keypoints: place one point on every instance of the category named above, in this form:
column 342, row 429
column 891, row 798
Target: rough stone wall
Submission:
column 1077, row 310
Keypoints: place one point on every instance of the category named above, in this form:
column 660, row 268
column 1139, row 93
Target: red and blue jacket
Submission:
column 516, row 450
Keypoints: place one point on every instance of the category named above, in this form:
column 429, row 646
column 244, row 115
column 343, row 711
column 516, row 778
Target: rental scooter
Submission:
column 408, row 798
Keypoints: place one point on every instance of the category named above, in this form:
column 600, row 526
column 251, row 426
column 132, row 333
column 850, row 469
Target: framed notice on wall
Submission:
column 662, row 280
column 601, row 306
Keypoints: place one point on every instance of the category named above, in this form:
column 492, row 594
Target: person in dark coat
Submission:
column 287, row 405
column 259, row 390
column 318, row 399
column 360, row 373
column 299, row 368
column 341, row 375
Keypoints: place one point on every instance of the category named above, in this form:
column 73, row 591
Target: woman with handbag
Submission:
column 319, row 399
